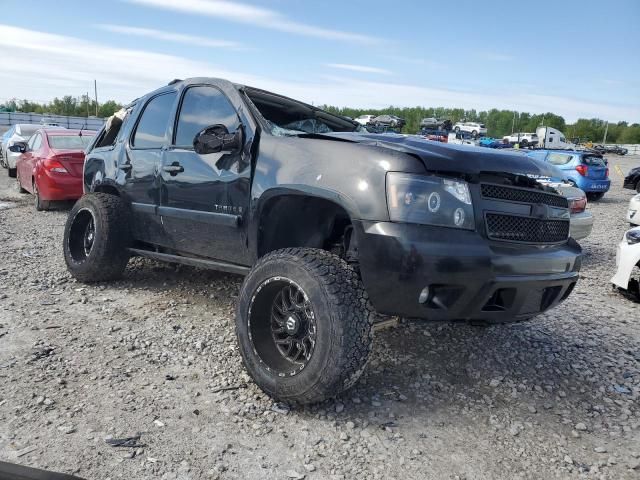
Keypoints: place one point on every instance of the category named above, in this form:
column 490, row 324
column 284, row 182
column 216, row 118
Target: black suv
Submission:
column 328, row 223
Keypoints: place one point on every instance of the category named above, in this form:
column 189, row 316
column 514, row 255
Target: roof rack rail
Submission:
column 175, row 80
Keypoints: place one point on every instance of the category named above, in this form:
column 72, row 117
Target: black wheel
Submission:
column 97, row 238
column 524, row 143
column 456, row 129
column 40, row 204
column 595, row 196
column 474, row 134
column 304, row 325
column 11, row 172
column 19, row 186
column 638, row 186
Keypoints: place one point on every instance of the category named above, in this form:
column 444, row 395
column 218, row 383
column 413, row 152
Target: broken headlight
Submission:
column 429, row 200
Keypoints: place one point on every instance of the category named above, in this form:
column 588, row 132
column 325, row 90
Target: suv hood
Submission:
column 442, row 157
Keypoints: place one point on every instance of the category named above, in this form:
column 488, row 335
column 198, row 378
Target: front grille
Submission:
column 525, row 229
column 510, row 194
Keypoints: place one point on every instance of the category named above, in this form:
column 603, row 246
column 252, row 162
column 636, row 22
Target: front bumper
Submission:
column 581, row 225
column 447, row 274
column 627, row 257
column 633, row 212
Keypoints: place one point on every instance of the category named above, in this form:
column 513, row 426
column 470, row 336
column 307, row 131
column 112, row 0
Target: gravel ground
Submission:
column 155, row 354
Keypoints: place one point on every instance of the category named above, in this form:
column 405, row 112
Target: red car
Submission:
column 51, row 163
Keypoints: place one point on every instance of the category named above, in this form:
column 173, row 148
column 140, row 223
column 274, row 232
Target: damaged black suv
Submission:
column 328, row 223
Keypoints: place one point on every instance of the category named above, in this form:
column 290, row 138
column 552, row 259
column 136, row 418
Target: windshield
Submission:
column 70, row 142
column 28, row 130
column 287, row 117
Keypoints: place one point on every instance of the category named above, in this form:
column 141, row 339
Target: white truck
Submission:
column 549, row 137
column 522, row 138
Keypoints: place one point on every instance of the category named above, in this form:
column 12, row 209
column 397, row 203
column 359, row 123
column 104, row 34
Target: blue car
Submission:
column 585, row 170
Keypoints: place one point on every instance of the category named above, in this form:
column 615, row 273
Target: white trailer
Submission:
column 549, row 137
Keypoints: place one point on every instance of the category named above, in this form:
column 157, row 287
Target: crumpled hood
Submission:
column 443, row 157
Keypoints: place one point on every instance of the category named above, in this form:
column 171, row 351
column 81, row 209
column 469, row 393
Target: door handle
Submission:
column 173, row 169
column 126, row 167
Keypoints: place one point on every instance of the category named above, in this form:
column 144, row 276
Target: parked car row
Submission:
column 48, row 164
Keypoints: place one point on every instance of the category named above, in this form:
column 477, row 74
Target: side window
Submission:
column 559, row 158
column 201, row 108
column 150, row 132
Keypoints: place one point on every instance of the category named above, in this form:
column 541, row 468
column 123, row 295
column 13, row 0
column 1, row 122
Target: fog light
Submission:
column 458, row 217
column 434, row 202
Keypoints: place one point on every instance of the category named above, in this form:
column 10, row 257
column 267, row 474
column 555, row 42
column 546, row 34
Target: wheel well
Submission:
column 301, row 221
column 110, row 189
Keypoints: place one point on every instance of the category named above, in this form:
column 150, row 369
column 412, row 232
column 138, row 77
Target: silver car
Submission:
column 581, row 220
column 18, row 133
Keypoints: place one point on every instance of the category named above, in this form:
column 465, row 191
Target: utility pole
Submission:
column 606, row 130
column 88, row 101
column 95, row 89
column 513, row 123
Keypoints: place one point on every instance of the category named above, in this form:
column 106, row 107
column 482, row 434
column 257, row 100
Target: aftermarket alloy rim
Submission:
column 282, row 326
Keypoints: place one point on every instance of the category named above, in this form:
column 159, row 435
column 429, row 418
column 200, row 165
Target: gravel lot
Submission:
column 556, row 397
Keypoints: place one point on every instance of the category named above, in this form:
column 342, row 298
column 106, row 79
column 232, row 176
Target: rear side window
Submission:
column 68, row 142
column 559, row 158
column 201, row 108
column 150, row 132
column 593, row 161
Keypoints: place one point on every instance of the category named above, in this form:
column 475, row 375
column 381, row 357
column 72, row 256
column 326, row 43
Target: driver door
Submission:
column 200, row 207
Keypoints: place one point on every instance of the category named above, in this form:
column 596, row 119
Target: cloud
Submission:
column 252, row 15
column 169, row 36
column 41, row 66
column 359, row 68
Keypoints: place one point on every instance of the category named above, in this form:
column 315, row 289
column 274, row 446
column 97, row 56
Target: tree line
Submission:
column 503, row 122
column 68, row 105
column 498, row 122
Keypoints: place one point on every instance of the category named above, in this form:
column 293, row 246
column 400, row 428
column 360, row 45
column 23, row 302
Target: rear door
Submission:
column 144, row 153
column 205, row 196
column 26, row 163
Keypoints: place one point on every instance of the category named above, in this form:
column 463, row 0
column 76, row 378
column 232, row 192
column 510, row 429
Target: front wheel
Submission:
column 97, row 237
column 304, row 325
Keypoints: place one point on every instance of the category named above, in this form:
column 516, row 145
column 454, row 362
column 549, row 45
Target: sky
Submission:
column 580, row 59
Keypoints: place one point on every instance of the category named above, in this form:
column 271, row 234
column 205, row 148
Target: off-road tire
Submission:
column 108, row 255
column 343, row 317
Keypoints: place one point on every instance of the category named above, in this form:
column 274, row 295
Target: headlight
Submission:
column 429, row 200
column 632, row 236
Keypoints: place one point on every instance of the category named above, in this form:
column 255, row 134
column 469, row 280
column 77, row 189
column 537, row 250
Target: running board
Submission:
column 194, row 262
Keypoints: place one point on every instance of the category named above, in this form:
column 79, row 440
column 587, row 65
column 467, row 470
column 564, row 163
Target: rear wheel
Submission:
column 595, row 196
column 40, row 204
column 524, row 143
column 19, row 186
column 474, row 134
column 97, row 238
column 304, row 325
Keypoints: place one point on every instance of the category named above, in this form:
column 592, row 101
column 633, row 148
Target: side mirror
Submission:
column 18, row 147
column 216, row 138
